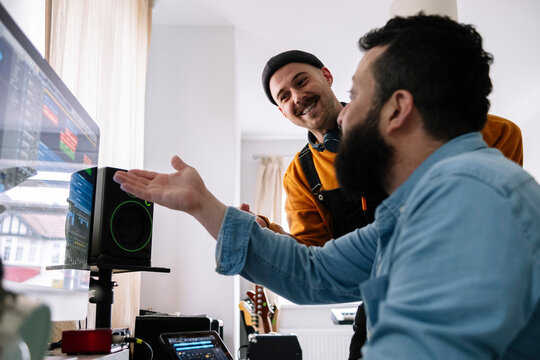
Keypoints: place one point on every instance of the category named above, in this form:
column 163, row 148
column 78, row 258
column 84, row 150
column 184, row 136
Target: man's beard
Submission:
column 364, row 159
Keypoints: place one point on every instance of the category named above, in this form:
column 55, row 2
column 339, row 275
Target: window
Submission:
column 57, row 252
column 19, row 253
column 7, row 250
column 32, row 254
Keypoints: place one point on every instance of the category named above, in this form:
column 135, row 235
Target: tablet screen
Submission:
column 195, row 345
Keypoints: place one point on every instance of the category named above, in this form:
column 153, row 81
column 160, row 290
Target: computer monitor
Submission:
column 48, row 158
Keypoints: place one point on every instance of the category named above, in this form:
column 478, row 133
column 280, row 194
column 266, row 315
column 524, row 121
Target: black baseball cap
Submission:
column 277, row 62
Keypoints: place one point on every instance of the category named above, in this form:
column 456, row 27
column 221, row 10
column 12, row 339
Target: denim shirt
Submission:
column 449, row 269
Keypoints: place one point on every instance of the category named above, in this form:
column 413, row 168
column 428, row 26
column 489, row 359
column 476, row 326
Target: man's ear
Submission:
column 397, row 110
column 327, row 75
column 282, row 113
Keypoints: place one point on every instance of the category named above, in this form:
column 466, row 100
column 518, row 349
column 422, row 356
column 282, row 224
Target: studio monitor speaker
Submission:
column 122, row 225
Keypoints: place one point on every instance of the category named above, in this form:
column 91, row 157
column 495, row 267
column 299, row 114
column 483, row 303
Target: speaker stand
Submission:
column 104, row 295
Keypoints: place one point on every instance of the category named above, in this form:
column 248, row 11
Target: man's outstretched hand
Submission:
column 182, row 190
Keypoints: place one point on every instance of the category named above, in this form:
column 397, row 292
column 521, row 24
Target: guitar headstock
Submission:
column 248, row 311
column 260, row 303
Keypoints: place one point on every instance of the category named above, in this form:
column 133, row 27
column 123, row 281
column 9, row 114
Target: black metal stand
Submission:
column 103, row 298
column 104, row 295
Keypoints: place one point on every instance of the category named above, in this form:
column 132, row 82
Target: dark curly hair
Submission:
column 443, row 65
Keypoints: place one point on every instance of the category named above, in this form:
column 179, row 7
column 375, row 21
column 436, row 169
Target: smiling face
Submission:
column 304, row 96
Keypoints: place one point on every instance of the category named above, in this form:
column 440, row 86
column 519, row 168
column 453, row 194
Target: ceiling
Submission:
column 275, row 19
column 330, row 29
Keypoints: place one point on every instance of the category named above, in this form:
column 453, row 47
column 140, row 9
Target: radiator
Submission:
column 323, row 344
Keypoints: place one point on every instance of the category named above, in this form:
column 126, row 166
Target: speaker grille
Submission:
column 131, row 226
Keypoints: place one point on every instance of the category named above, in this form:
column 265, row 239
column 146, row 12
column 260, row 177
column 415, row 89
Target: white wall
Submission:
column 509, row 30
column 190, row 112
column 531, row 146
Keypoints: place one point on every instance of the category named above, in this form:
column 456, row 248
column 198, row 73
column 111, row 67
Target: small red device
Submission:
column 96, row 341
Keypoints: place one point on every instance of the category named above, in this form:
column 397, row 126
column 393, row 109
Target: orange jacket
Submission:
column 310, row 222
column 504, row 135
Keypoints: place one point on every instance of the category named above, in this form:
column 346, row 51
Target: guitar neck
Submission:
column 266, row 323
column 262, row 309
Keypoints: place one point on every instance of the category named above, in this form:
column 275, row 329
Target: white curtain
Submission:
column 268, row 202
column 100, row 48
column 269, row 188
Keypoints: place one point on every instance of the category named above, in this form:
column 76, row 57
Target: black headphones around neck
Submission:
column 331, row 141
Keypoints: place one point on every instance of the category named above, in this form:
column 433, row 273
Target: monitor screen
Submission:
column 48, row 158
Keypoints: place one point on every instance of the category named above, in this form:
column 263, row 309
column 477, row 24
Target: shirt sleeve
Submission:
column 233, row 240
column 504, row 135
column 304, row 275
column 460, row 277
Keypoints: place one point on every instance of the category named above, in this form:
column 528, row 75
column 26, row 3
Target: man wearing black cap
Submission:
column 299, row 84
column 317, row 210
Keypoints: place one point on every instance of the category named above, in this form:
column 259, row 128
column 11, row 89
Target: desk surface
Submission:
column 121, row 355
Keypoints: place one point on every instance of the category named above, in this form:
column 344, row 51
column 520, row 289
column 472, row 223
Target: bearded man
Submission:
column 449, row 268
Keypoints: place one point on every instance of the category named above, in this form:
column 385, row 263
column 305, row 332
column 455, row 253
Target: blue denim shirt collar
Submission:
column 389, row 210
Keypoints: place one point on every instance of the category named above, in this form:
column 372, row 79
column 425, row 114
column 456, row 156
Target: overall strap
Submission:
column 306, row 162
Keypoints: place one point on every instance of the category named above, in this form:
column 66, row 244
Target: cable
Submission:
column 139, row 341
column 55, row 345
column 239, row 355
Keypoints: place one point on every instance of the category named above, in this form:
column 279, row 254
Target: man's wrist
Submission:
column 210, row 213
